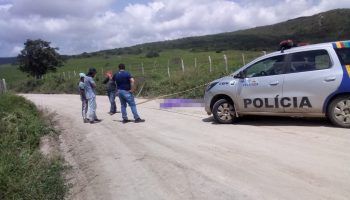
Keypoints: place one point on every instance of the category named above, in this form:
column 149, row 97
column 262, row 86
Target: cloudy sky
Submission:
column 77, row 26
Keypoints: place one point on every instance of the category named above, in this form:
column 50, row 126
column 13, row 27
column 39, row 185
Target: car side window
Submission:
column 267, row 67
column 344, row 55
column 309, row 61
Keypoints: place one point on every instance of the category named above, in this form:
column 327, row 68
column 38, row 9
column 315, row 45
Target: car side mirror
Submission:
column 240, row 75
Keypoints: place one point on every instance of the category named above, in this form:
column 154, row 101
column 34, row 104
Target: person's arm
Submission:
column 92, row 83
column 106, row 80
column 132, row 84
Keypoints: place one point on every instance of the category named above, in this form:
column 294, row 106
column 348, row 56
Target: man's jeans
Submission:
column 111, row 97
column 127, row 97
column 92, row 109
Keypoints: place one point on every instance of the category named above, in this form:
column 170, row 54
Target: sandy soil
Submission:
column 182, row 154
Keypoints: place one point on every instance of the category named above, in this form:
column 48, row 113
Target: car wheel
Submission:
column 224, row 112
column 339, row 111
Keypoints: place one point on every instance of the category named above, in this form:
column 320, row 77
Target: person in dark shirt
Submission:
column 126, row 86
column 111, row 92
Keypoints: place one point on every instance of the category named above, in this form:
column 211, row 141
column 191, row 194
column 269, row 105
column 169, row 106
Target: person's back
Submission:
column 122, row 79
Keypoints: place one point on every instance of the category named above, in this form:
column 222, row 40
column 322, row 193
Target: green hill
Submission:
column 323, row 27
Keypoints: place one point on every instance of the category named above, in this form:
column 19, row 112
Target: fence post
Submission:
column 4, row 85
column 195, row 62
column 64, row 75
column 210, row 65
column 143, row 69
column 243, row 58
column 169, row 68
column 183, row 65
column 1, row 88
column 226, row 64
column 102, row 71
column 75, row 74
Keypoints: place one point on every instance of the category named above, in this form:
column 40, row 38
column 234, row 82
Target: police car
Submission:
column 306, row 81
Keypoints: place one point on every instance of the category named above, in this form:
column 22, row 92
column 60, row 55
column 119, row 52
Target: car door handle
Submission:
column 329, row 79
column 274, row 83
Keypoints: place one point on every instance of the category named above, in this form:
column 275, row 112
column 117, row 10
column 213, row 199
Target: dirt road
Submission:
column 182, row 154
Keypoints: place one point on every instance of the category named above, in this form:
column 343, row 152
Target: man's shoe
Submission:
column 98, row 120
column 125, row 121
column 139, row 120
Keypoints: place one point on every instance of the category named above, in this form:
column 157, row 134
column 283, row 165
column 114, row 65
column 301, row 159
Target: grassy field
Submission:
column 24, row 172
column 151, row 73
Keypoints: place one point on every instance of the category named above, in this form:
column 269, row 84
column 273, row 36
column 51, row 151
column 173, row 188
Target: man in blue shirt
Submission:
column 126, row 87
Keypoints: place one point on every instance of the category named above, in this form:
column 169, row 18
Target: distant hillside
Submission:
column 8, row 60
column 324, row 27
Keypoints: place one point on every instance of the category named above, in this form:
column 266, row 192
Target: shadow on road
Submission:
column 277, row 121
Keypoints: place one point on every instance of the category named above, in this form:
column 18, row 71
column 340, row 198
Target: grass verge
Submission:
column 24, row 172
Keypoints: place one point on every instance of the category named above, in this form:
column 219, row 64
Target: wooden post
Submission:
column 210, row 65
column 64, row 75
column 195, row 62
column 183, row 65
column 243, row 58
column 226, row 64
column 169, row 68
column 1, row 87
column 4, row 85
column 75, row 74
column 143, row 69
column 102, row 71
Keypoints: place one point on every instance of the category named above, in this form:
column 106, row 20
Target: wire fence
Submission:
column 165, row 67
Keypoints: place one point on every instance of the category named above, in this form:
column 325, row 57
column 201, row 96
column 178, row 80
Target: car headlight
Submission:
column 211, row 85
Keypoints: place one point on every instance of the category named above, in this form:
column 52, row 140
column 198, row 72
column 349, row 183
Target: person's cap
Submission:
column 92, row 70
column 82, row 75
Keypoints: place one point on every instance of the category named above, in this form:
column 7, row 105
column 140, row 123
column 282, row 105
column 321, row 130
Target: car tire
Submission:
column 224, row 112
column 339, row 111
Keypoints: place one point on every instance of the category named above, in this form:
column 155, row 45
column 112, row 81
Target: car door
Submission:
column 261, row 85
column 311, row 78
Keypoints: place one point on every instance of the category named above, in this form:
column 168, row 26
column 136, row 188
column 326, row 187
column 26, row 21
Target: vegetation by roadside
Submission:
column 24, row 172
column 151, row 74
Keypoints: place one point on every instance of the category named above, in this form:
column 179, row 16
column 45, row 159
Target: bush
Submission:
column 24, row 172
column 152, row 54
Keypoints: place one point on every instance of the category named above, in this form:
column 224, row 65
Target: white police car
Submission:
column 310, row 81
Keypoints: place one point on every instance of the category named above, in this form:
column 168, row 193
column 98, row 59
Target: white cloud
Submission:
column 90, row 25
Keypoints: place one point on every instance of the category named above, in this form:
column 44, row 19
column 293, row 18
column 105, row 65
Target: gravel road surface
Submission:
column 182, row 154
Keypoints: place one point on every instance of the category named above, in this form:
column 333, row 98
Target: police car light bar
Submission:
column 286, row 44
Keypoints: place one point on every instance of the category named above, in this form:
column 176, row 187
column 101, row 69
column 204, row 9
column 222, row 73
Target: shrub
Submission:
column 24, row 172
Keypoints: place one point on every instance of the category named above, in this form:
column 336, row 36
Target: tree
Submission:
column 37, row 58
column 152, row 54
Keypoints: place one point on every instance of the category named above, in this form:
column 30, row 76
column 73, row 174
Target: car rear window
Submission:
column 310, row 61
column 344, row 56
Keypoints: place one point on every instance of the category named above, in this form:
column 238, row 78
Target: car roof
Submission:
column 302, row 48
column 296, row 49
